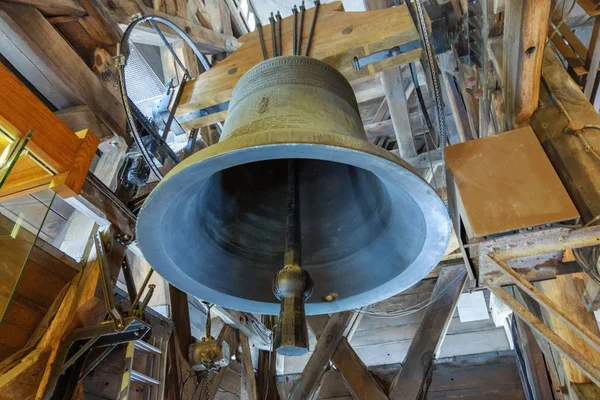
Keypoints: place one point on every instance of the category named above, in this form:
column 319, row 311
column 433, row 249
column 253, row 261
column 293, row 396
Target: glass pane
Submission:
column 10, row 151
column 21, row 221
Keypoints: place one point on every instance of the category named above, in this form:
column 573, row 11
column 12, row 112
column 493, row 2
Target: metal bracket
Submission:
column 372, row 58
column 203, row 112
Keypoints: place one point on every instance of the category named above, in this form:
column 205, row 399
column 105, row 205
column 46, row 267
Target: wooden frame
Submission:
column 57, row 158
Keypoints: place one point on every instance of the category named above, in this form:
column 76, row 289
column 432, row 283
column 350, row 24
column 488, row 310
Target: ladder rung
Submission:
column 144, row 379
column 147, row 347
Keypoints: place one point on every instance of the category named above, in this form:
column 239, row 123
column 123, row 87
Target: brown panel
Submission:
column 505, row 183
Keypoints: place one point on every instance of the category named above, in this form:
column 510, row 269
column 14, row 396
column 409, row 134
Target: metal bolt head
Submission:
column 232, row 71
column 347, row 30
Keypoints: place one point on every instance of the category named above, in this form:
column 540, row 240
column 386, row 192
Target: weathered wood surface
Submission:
column 577, row 169
column 393, row 86
column 358, row 380
column 248, row 388
column 317, row 364
column 56, row 60
column 413, row 378
column 490, row 376
column 525, row 28
column 371, row 31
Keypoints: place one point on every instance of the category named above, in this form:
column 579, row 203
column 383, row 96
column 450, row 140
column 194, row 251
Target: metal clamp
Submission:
column 372, row 58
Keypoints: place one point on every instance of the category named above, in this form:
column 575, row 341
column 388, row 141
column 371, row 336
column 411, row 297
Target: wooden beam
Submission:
column 413, row 379
column 554, row 340
column 180, row 313
column 525, row 30
column 359, row 381
column 317, row 364
column 248, row 390
column 371, row 31
column 576, row 168
column 245, row 323
column 59, row 63
column 207, row 40
column 393, row 86
column 55, row 7
column 536, row 374
column 267, row 366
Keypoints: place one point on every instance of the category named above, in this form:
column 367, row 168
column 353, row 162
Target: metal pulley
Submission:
column 368, row 225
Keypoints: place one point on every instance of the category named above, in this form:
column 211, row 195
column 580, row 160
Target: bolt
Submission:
column 232, row 71
column 347, row 30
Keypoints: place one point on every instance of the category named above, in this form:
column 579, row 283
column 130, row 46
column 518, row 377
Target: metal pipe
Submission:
column 279, row 52
column 295, row 31
column 141, row 291
column 312, row 27
column 273, row 38
column 262, row 39
column 299, row 38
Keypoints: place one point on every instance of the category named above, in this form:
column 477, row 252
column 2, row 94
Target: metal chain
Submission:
column 437, row 98
column 208, row 386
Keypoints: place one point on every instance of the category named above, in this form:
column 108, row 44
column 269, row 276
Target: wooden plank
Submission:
column 413, row 378
column 248, row 389
column 393, row 87
column 576, row 168
column 207, row 40
column 245, row 323
column 554, row 340
column 267, row 363
column 525, row 30
column 592, row 64
column 82, row 117
column 317, row 364
column 180, row 313
column 371, row 31
column 535, row 366
column 358, row 380
column 586, row 334
column 62, row 64
column 585, row 391
column 55, row 7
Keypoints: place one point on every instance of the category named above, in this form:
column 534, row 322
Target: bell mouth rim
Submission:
column 263, row 146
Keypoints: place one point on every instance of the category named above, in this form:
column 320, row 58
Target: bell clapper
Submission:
column 292, row 284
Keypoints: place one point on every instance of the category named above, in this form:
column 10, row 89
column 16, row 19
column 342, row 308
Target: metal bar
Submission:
column 191, row 143
column 142, row 288
column 174, row 106
column 295, row 30
column 129, row 282
column 261, row 35
column 279, row 39
column 299, row 39
column 293, row 251
column 147, row 347
column 555, row 341
column 415, row 77
column 169, row 47
column 146, row 300
column 372, row 58
column 312, row 27
column 126, row 378
column 107, row 290
column 587, row 335
column 273, row 38
column 78, row 354
column 96, row 361
column 144, row 379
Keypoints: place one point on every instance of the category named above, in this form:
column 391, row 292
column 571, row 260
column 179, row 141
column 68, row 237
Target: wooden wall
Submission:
column 46, row 273
column 487, row 376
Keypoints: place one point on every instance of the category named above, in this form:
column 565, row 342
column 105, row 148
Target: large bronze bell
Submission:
column 370, row 227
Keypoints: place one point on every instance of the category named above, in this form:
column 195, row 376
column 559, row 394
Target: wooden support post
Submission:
column 180, row 313
column 393, row 86
column 358, row 379
column 312, row 375
column 413, row 379
column 245, row 323
column 576, row 167
column 592, row 64
column 267, row 364
column 525, row 30
column 248, row 389
column 535, row 365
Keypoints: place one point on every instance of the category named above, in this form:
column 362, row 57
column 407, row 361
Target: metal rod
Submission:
column 292, row 224
column 146, row 300
column 295, row 31
column 262, row 39
column 174, row 106
column 279, row 52
column 85, row 348
column 107, row 290
column 312, row 27
column 141, row 291
column 169, row 47
column 273, row 38
column 129, row 282
column 299, row 38
column 97, row 361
